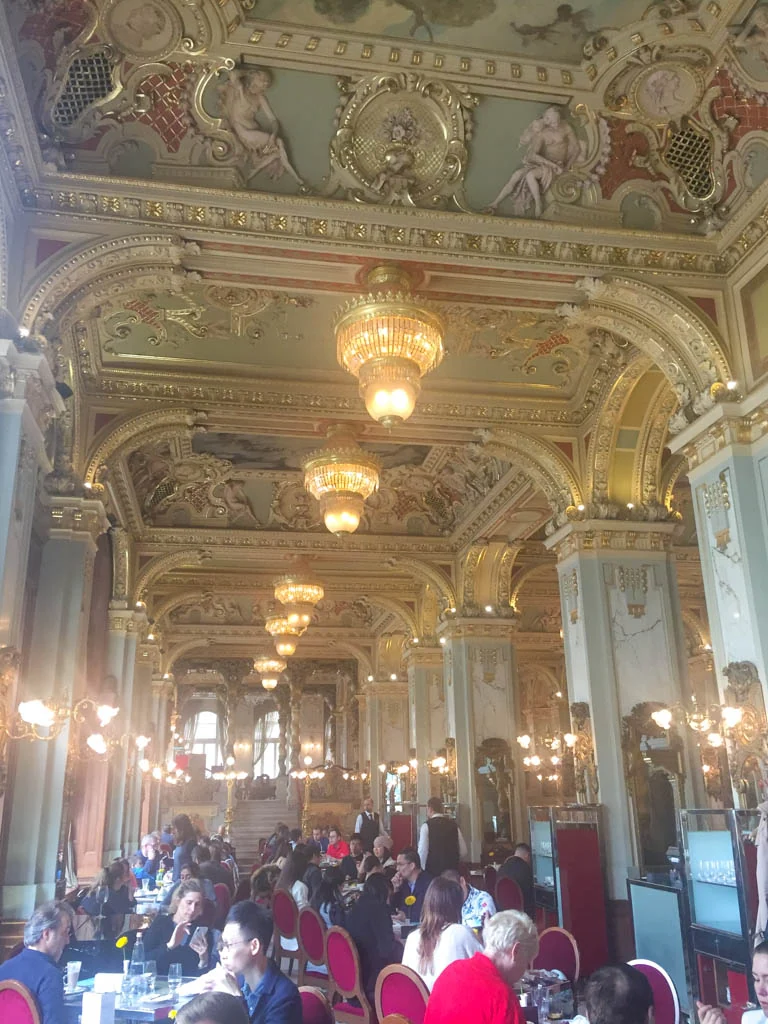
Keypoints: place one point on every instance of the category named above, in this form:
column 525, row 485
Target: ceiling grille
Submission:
column 689, row 152
column 89, row 79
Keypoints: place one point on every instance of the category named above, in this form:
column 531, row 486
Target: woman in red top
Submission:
column 480, row 989
column 337, row 848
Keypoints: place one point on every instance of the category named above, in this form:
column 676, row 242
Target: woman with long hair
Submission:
column 369, row 922
column 173, row 938
column 110, row 898
column 184, row 838
column 327, row 900
column 263, row 881
column 440, row 938
column 291, row 879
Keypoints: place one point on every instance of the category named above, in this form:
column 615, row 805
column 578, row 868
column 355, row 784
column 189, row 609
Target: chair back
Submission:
column 17, row 1004
column 209, row 915
column 558, row 952
column 509, row 895
column 401, row 990
column 343, row 962
column 312, row 935
column 285, row 914
column 395, row 1018
column 315, row 1008
column 223, row 903
column 666, row 1004
column 489, row 879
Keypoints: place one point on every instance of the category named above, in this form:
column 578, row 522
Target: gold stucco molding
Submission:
column 75, row 517
column 594, row 537
column 738, row 425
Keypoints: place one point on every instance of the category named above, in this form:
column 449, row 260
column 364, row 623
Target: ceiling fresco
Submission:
column 547, row 31
column 201, row 325
column 422, row 492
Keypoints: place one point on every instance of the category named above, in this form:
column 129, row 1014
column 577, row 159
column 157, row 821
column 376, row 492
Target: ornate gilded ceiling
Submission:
column 200, row 186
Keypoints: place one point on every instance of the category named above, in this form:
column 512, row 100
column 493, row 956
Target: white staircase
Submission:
column 255, row 820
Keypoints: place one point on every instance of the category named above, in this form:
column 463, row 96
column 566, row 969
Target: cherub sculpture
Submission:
column 551, row 148
column 242, row 97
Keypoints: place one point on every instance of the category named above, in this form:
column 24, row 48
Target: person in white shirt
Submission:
column 440, row 938
column 291, row 879
column 368, row 825
column 441, row 844
column 714, row 1014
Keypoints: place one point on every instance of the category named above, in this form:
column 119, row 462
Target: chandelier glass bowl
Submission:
column 340, row 475
column 388, row 340
column 299, row 593
column 269, row 669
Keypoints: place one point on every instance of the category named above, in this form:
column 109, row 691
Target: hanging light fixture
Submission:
column 388, row 340
column 341, row 476
column 299, row 593
column 285, row 634
column 269, row 669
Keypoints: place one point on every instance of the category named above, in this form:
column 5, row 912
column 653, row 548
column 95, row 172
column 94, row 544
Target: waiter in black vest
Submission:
column 441, row 844
column 368, row 825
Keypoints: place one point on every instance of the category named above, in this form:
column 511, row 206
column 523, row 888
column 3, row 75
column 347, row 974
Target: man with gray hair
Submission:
column 481, row 989
column 46, row 934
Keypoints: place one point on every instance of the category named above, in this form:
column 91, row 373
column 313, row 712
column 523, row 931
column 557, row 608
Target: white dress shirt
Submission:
column 363, row 816
column 424, row 843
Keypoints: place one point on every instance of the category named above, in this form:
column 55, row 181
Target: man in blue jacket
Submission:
column 410, row 885
column 269, row 996
column 46, row 934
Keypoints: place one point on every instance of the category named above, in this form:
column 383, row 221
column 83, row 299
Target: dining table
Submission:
column 156, row 1006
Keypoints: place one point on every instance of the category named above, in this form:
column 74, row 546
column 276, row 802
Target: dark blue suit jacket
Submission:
column 413, row 913
column 43, row 979
column 275, row 1001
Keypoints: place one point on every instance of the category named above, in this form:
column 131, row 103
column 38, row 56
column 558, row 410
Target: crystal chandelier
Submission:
column 269, row 669
column 341, row 476
column 285, row 634
column 299, row 593
column 388, row 341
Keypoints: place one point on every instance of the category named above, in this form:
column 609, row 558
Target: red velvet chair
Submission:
column 285, row 917
column 315, row 1008
column 311, row 948
column 17, row 1004
column 401, row 990
column 490, row 876
column 558, row 952
column 346, row 978
column 223, row 903
column 209, row 915
column 666, row 1003
column 395, row 1018
column 509, row 895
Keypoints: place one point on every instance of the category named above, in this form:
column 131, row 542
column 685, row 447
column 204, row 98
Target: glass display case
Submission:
column 720, row 870
column 660, row 925
column 567, row 863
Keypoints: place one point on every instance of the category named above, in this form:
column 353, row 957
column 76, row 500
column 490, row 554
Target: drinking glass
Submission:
column 145, row 885
column 174, row 979
column 150, row 973
column 73, row 974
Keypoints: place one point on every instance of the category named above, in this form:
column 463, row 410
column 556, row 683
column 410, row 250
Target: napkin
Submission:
column 98, row 1008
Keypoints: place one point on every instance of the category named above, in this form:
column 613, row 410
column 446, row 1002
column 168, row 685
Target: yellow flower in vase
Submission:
column 410, row 900
column 122, row 942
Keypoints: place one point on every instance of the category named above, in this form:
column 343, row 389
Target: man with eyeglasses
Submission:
column 245, row 971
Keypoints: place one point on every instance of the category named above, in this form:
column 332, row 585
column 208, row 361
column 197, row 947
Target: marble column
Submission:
column 140, row 722
column 387, row 729
column 28, row 403
column 624, row 648
column 426, row 714
column 121, row 660
column 282, row 696
column 727, row 454
column 162, row 690
column 481, row 703
column 56, row 670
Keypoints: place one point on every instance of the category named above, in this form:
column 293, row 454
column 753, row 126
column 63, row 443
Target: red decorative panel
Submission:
column 55, row 29
column 46, row 247
column 582, row 894
column 401, row 830
column 168, row 114
column 624, row 146
column 751, row 115
column 707, row 304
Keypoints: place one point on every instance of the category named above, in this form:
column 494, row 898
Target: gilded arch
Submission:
column 426, row 573
column 543, row 461
column 137, row 430
column 155, row 568
column 665, row 327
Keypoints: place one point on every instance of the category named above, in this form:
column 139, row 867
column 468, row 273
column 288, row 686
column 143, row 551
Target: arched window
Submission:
column 205, row 738
column 266, row 745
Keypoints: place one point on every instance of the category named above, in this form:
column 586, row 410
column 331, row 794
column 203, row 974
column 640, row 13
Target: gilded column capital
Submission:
column 75, row 517
column 424, row 655
column 732, row 425
column 593, row 536
column 385, row 688
column 486, row 627
column 27, row 377
column 162, row 686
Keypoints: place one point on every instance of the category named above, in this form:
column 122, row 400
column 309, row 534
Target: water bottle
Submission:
column 159, row 877
column 137, row 957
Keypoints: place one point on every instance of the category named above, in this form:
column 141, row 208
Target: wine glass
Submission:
column 174, row 979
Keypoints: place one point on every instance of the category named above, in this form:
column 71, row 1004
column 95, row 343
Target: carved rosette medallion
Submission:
column 402, row 139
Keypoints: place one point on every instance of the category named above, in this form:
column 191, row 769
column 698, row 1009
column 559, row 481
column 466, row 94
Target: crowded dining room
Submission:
column 383, row 512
